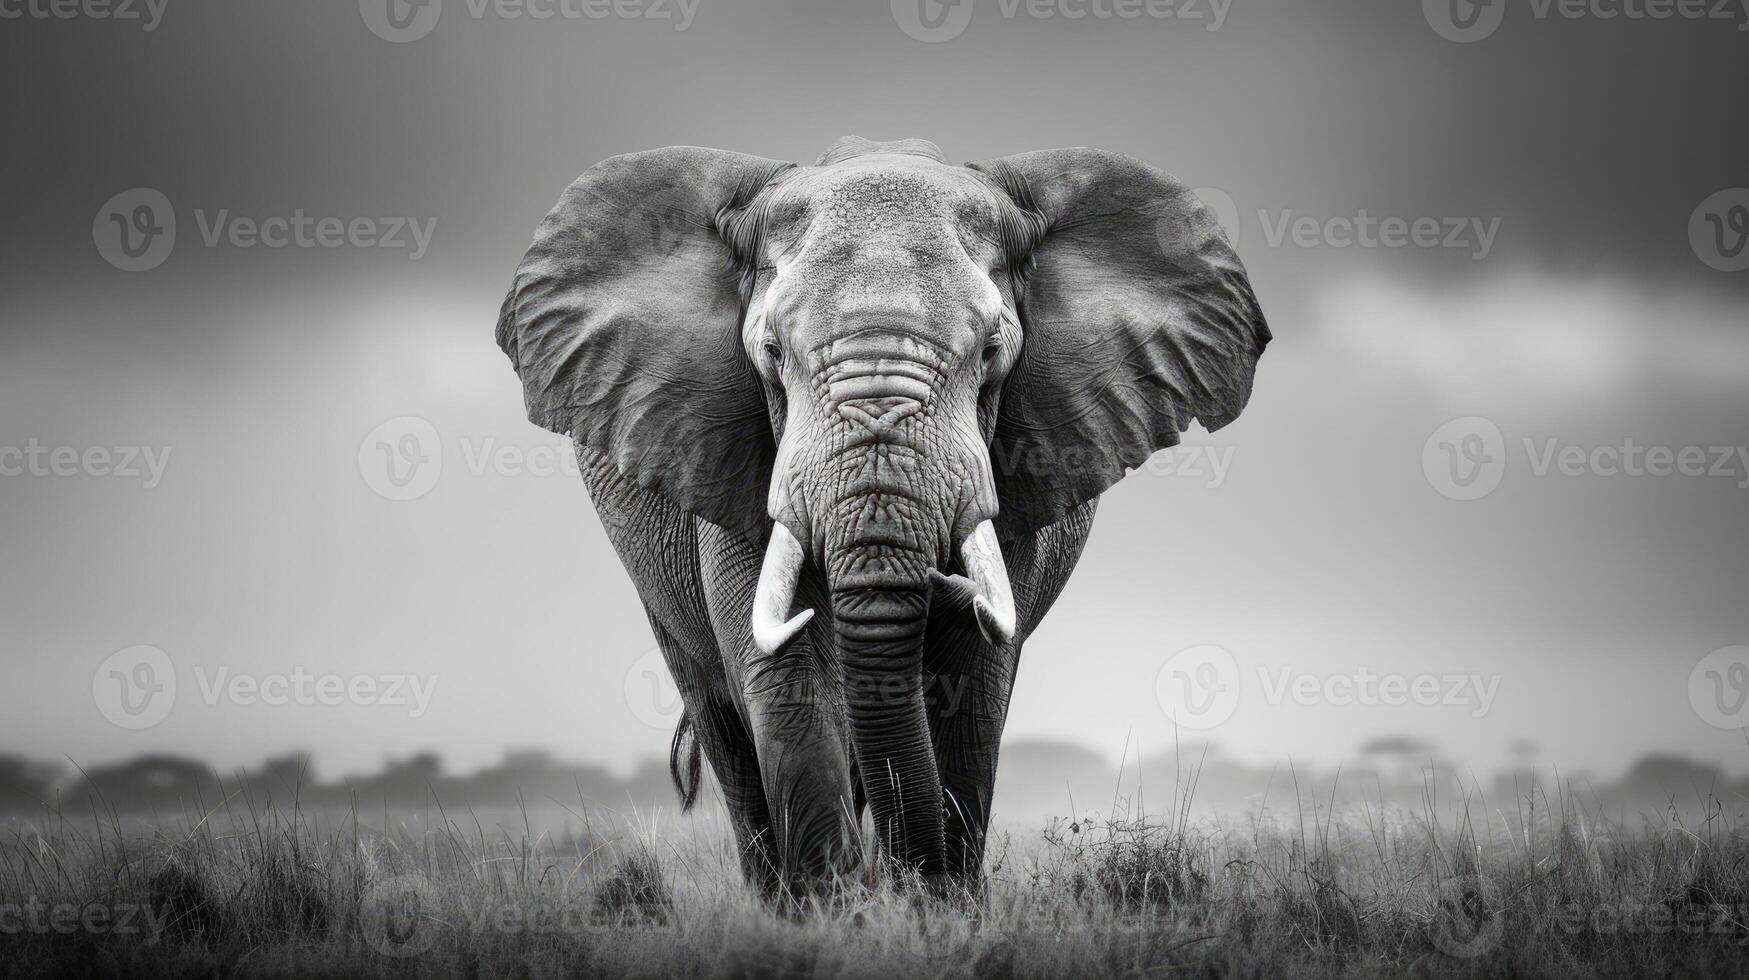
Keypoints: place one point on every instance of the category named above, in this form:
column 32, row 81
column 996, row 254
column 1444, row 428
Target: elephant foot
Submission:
column 966, row 893
column 798, row 897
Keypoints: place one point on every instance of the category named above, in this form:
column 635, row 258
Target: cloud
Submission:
column 1534, row 337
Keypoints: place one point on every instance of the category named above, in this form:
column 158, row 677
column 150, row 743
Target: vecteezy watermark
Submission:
column 1468, row 918
column 136, row 688
column 147, row 13
column 1466, row 21
column 1200, row 688
column 1210, row 464
column 1718, row 230
column 305, row 689
column 1647, row 918
column 540, row 916
column 1366, row 688
column 1718, row 688
column 135, row 231
column 403, row 458
column 934, row 21
column 143, row 463
column 91, row 918
column 1466, row 458
column 403, row 916
column 399, row 916
column 1367, row 230
column 653, row 698
column 1363, row 229
column 402, row 21
column 1634, row 460
column 1226, row 211
column 650, row 692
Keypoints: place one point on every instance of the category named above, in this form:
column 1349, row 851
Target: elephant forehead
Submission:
column 872, row 199
column 861, row 296
column 890, row 197
column 894, row 242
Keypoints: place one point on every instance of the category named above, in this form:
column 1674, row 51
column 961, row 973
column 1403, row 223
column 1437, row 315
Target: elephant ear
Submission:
column 623, row 324
column 1137, row 317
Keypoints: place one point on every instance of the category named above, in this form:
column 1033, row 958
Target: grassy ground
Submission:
column 254, row 888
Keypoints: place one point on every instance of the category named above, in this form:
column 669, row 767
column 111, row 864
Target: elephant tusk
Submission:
column 993, row 605
column 777, row 589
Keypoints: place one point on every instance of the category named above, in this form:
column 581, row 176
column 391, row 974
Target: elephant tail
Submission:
column 684, row 764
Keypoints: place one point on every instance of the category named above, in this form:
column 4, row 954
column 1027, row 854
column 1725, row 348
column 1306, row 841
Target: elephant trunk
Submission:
column 880, row 604
column 880, row 648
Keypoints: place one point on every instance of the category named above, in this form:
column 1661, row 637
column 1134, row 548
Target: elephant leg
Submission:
column 970, row 682
column 659, row 546
column 793, row 708
column 727, row 745
column 967, row 695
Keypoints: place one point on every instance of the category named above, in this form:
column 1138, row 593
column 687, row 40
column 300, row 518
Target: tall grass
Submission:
column 259, row 887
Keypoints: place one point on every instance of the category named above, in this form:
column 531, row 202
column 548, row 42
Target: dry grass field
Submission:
column 260, row 888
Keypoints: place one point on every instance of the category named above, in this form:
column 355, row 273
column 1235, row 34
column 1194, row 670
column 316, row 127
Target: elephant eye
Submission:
column 773, row 352
column 992, row 349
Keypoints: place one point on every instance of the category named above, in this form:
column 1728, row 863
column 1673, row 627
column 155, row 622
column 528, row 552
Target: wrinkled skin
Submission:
column 900, row 362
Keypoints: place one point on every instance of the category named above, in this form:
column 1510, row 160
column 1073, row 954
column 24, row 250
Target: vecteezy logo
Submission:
column 932, row 21
column 398, row 916
column 400, row 21
column 1178, row 230
column 1718, row 230
column 1469, row 919
column 135, row 688
column 650, row 692
column 1226, row 211
column 402, row 458
column 1718, row 688
column 1198, row 688
column 135, row 230
column 1464, row 21
column 1464, row 459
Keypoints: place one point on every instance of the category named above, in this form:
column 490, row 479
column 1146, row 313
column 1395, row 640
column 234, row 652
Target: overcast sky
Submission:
column 1563, row 300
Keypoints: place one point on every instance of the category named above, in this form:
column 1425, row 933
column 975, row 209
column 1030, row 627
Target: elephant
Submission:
column 846, row 426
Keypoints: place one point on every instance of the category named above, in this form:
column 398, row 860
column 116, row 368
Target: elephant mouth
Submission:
column 983, row 587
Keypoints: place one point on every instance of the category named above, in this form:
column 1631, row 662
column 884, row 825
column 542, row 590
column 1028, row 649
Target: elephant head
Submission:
column 882, row 364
